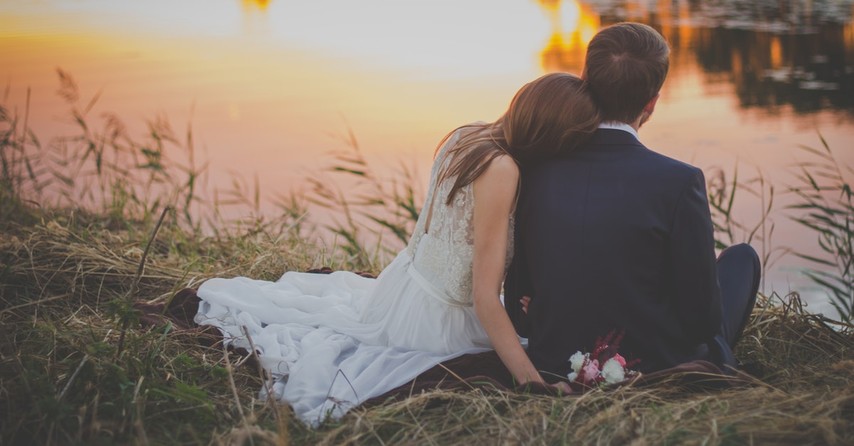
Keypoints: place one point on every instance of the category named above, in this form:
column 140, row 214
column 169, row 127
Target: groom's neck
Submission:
column 636, row 124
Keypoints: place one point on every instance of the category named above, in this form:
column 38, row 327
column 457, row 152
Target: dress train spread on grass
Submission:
column 333, row 341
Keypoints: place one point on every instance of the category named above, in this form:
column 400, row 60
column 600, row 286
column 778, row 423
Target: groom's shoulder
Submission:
column 679, row 171
column 617, row 145
column 670, row 164
column 665, row 165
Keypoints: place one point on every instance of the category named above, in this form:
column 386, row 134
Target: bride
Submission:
column 332, row 341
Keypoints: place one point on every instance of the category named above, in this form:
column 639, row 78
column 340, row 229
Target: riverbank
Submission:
column 84, row 238
column 78, row 367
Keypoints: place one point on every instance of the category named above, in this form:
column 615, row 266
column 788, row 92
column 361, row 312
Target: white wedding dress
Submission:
column 332, row 341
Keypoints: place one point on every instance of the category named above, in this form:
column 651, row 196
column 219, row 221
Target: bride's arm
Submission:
column 495, row 191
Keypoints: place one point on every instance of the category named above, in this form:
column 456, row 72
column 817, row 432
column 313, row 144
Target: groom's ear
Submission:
column 650, row 106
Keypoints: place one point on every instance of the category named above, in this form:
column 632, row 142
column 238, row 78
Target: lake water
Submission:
column 271, row 85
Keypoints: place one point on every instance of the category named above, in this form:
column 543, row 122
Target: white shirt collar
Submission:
column 616, row 125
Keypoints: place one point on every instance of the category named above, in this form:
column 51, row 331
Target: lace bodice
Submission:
column 443, row 253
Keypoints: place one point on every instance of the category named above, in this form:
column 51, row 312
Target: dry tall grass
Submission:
column 66, row 282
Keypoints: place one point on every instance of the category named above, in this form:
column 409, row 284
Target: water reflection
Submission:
column 572, row 26
column 808, row 71
column 797, row 54
column 259, row 5
column 255, row 17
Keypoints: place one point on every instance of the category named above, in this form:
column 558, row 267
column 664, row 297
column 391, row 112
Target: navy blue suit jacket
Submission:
column 614, row 236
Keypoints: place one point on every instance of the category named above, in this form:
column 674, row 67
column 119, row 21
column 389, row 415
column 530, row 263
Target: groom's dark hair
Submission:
column 625, row 67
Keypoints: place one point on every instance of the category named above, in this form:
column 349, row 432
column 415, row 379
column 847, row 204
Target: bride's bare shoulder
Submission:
column 504, row 165
column 502, row 170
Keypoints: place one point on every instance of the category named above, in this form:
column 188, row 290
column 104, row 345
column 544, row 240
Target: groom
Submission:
column 618, row 237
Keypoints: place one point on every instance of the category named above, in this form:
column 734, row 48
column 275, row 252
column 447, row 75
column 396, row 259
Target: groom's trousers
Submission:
column 738, row 276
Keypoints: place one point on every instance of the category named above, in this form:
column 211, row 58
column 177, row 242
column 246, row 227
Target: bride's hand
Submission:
column 562, row 387
column 542, row 388
column 525, row 301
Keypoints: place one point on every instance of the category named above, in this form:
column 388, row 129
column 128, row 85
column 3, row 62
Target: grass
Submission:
column 826, row 207
column 66, row 278
column 77, row 367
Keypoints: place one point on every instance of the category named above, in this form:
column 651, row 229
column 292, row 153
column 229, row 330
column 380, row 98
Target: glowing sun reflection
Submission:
column 572, row 25
column 259, row 5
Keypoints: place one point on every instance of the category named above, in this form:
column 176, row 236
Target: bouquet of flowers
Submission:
column 604, row 366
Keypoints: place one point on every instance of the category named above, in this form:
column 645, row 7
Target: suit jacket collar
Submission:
column 613, row 137
column 619, row 126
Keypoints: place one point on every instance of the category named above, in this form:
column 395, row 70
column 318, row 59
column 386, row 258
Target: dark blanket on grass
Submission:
column 483, row 371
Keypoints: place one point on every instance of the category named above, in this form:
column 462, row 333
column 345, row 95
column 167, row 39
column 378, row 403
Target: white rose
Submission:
column 576, row 361
column 571, row 377
column 613, row 372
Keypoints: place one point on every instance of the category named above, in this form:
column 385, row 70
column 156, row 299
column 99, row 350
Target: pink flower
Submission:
column 587, row 371
column 590, row 372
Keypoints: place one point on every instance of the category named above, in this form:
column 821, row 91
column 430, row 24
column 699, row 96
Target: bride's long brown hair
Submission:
column 551, row 115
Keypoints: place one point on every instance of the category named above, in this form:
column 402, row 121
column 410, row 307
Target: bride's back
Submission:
column 442, row 243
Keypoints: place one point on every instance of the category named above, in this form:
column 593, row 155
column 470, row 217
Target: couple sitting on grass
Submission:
column 589, row 232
